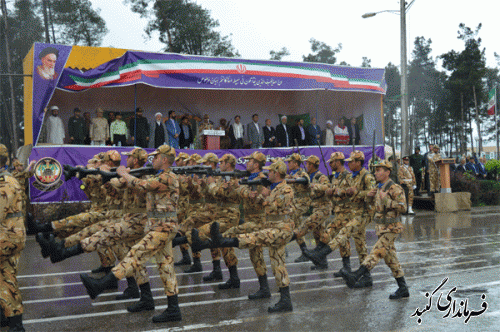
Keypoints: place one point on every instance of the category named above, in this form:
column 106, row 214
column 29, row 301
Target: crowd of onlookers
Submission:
column 110, row 128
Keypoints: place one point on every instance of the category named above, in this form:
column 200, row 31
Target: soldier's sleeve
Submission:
column 321, row 186
column 154, row 184
column 396, row 199
column 369, row 184
column 118, row 183
column 401, row 175
column 5, row 199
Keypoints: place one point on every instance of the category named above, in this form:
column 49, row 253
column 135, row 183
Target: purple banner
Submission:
column 79, row 155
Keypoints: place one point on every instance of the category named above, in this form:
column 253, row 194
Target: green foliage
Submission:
column 493, row 166
column 278, row 55
column 322, row 52
column 367, row 63
column 483, row 192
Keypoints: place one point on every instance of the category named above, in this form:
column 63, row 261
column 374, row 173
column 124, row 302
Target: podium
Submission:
column 444, row 171
column 211, row 139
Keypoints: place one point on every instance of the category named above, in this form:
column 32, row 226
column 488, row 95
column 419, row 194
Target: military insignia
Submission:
column 48, row 174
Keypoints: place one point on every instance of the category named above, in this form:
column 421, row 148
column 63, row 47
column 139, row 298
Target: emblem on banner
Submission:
column 241, row 68
column 48, row 174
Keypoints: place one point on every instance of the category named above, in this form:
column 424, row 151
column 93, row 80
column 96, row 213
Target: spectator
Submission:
column 328, row 136
column 470, row 166
column 461, row 167
column 353, row 130
column 158, row 132
column 236, row 133
column 139, row 129
column 269, row 135
column 186, row 137
column 225, row 141
column 314, row 132
column 341, row 133
column 88, row 121
column 283, row 133
column 111, row 116
column 118, row 131
column 255, row 134
column 76, row 128
column 205, row 125
column 173, row 130
column 480, row 169
column 99, row 129
column 299, row 133
column 425, row 164
column 416, row 160
column 55, row 127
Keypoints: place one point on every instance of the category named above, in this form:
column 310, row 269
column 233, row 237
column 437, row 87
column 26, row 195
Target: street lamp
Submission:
column 404, row 75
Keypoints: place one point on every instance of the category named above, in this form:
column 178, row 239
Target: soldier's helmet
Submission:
column 164, row 149
column 278, row 166
column 209, row 157
column 385, row 163
column 228, row 158
column 111, row 155
column 194, row 157
column 356, row 155
column 257, row 156
column 182, row 156
column 294, row 157
column 312, row 159
column 3, row 151
column 138, row 153
column 336, row 156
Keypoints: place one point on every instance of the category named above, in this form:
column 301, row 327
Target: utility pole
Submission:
column 404, row 81
column 46, row 21
column 15, row 140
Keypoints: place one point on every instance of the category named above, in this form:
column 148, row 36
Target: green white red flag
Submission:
column 492, row 101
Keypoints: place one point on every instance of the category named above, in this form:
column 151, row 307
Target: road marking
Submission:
column 155, row 298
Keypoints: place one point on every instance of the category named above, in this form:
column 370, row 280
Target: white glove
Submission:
column 414, row 187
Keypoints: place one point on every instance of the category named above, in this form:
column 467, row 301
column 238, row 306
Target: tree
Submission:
column 367, row 63
column 184, row 27
column 322, row 52
column 392, row 101
column 278, row 55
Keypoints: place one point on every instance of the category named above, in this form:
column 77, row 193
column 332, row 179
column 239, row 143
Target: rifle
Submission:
column 323, row 158
column 302, row 180
column 394, row 176
column 71, row 171
column 258, row 182
column 374, row 157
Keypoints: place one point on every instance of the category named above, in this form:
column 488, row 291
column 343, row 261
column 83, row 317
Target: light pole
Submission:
column 404, row 73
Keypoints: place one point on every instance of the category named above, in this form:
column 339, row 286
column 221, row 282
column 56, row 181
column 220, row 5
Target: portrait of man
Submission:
column 48, row 56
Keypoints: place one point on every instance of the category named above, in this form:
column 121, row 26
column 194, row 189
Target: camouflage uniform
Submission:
column 22, row 178
column 435, row 183
column 407, row 178
column 12, row 241
column 162, row 197
column 183, row 199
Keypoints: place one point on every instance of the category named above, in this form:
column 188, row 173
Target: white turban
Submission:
column 329, row 122
column 158, row 114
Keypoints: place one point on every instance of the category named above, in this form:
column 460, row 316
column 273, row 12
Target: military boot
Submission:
column 218, row 241
column 131, row 292
column 318, row 256
column 172, row 313
column 97, row 286
column 186, row 259
column 146, row 301
column 346, row 266
column 102, row 269
column 197, row 244
column 365, row 281
column 285, row 303
column 36, row 227
column 233, row 281
column 351, row 277
column 4, row 321
column 61, row 253
column 178, row 240
column 302, row 258
column 16, row 324
column 216, row 274
column 402, row 290
column 44, row 242
column 263, row 292
column 196, row 267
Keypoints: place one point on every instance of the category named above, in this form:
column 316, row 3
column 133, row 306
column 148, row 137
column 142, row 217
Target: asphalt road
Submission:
column 455, row 256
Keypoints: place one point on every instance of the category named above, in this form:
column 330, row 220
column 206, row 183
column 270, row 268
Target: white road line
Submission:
column 156, row 298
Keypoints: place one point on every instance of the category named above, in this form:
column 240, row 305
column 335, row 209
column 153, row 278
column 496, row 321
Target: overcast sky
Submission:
column 259, row 26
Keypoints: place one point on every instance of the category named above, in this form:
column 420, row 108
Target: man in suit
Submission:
column 353, row 129
column 186, row 137
column 255, row 134
column 173, row 130
column 236, row 133
column 269, row 135
column 461, row 167
column 299, row 133
column 314, row 132
column 283, row 136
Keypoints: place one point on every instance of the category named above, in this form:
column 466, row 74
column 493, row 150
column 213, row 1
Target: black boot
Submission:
column 16, row 324
column 197, row 244
column 172, row 313
column 221, row 242
column 4, row 321
column 216, row 274
column 186, row 259
column 131, row 292
column 263, row 292
column 302, row 258
column 146, row 302
column 44, row 242
column 233, row 281
column 318, row 257
column 62, row 254
column 178, row 240
column 365, row 281
column 36, row 227
column 346, row 266
column 352, row 277
column 97, row 286
column 402, row 290
column 196, row 267
column 102, row 269
column 285, row 303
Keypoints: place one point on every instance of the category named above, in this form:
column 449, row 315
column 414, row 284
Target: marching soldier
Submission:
column 161, row 201
column 407, row 179
column 22, row 174
column 389, row 201
column 181, row 160
column 12, row 242
column 434, row 180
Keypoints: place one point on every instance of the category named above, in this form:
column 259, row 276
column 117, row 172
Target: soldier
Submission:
column 389, row 203
column 301, row 198
column 12, row 242
column 407, row 179
column 361, row 211
column 181, row 160
column 434, row 180
column 162, row 192
column 22, row 174
column 320, row 203
column 275, row 233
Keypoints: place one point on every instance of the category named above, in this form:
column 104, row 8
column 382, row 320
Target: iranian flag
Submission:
column 492, row 101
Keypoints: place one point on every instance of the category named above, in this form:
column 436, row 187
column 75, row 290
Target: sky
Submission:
column 259, row 26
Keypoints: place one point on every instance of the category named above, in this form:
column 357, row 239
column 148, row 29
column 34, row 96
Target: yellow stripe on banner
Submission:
column 88, row 57
column 28, row 96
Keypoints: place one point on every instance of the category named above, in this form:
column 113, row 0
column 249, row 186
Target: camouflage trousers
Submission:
column 410, row 196
column 181, row 215
column 276, row 239
column 73, row 224
column 434, row 180
column 153, row 244
column 339, row 221
column 314, row 223
column 12, row 242
column 198, row 215
column 298, row 217
column 355, row 228
column 384, row 248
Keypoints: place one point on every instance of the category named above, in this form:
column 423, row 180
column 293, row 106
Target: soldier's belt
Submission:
column 211, row 202
column 230, row 205
column 135, row 210
column 301, row 195
column 162, row 215
column 386, row 221
column 275, row 217
column 197, row 201
column 252, row 213
column 14, row 215
column 343, row 201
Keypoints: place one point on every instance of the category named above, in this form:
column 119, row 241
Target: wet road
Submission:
column 463, row 247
